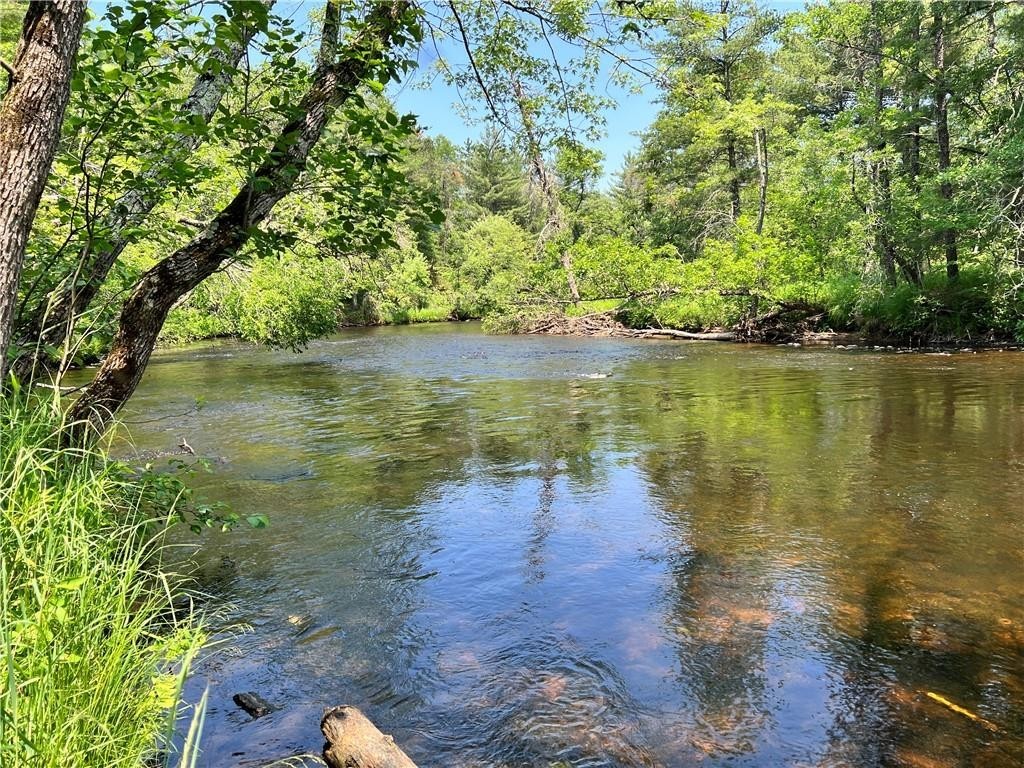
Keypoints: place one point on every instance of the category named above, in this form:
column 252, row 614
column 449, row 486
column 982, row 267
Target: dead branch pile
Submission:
column 593, row 324
column 786, row 321
column 606, row 324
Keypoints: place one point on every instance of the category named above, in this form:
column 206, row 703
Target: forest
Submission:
column 176, row 171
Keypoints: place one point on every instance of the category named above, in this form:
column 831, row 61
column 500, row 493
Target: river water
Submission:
column 522, row 551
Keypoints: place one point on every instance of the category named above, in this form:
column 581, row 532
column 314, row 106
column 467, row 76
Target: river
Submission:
column 524, row 551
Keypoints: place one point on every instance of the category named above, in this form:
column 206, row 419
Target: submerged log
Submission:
column 354, row 742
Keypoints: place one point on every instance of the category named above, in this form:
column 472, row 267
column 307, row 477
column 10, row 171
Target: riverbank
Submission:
column 979, row 310
column 95, row 632
column 604, row 325
column 794, row 332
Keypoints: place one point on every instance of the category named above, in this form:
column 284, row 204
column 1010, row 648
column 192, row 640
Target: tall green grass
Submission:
column 93, row 651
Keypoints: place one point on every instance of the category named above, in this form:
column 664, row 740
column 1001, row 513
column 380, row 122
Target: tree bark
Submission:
column 913, row 268
column 31, row 115
column 885, row 249
column 555, row 220
column 948, row 234
column 734, row 177
column 730, row 139
column 761, row 150
column 354, row 742
column 53, row 319
column 160, row 287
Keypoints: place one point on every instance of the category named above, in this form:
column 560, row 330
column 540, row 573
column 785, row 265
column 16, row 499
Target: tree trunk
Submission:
column 31, row 115
column 914, row 268
column 53, row 319
column 555, row 220
column 354, row 742
column 653, row 333
column 734, row 177
column 159, row 288
column 884, row 247
column 948, row 234
column 761, row 150
column 730, row 139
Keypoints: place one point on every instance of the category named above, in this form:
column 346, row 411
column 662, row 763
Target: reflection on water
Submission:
column 716, row 555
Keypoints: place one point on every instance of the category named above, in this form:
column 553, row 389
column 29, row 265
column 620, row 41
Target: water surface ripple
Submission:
column 548, row 551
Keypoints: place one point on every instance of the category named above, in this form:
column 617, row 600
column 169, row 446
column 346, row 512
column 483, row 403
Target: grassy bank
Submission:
column 288, row 303
column 92, row 650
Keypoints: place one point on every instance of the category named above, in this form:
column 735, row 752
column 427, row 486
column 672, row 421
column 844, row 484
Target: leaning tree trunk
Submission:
column 53, row 319
column 157, row 291
column 31, row 114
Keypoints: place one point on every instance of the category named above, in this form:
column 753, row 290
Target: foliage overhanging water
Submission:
column 515, row 551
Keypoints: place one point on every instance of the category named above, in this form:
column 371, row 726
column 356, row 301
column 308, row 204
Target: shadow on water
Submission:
column 715, row 555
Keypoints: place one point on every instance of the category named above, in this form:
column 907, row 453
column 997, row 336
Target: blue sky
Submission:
column 435, row 103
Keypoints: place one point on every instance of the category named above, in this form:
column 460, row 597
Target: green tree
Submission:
column 496, row 181
column 368, row 54
column 138, row 151
column 701, row 146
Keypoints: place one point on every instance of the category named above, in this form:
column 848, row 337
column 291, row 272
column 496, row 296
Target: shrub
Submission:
column 496, row 264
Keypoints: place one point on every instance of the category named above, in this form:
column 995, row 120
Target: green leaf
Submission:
column 73, row 585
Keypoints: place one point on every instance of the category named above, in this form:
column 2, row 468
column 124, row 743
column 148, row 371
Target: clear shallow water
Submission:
column 714, row 555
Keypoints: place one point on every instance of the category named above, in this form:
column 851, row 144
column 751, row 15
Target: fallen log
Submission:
column 354, row 742
column 698, row 336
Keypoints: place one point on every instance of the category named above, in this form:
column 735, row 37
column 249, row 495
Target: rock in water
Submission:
column 253, row 703
column 354, row 742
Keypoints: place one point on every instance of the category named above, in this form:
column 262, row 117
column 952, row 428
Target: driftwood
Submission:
column 593, row 324
column 787, row 320
column 784, row 321
column 354, row 742
column 606, row 324
column 647, row 333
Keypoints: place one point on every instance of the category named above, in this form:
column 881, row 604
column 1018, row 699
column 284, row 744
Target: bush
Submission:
column 289, row 303
column 496, row 264
column 980, row 304
column 614, row 267
column 193, row 323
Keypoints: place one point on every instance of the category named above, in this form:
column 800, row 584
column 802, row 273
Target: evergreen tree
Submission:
column 496, row 180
